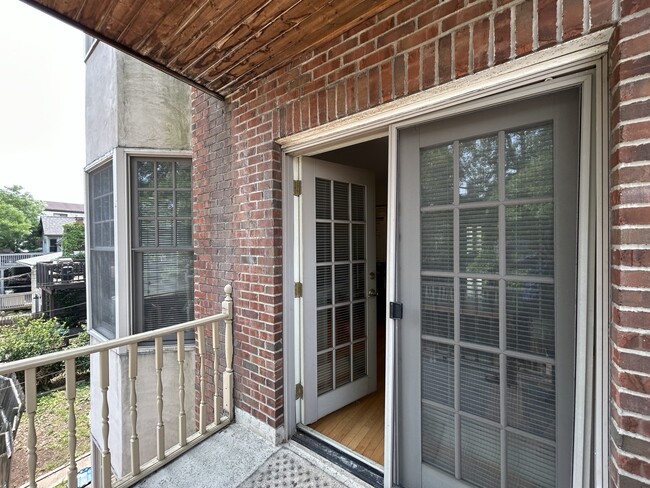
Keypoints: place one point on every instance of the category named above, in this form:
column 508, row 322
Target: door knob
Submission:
column 372, row 293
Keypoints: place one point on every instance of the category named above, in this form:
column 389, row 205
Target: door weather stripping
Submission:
column 395, row 310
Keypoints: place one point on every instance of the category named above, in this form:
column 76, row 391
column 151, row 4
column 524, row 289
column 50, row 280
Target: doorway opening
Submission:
column 344, row 396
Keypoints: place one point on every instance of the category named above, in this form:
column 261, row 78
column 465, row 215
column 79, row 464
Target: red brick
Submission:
column 386, row 82
column 466, row 14
column 461, row 52
column 399, row 76
column 502, row 41
column 634, row 320
column 631, row 216
column 428, row 66
column 629, row 7
column 444, row 59
column 631, row 174
column 523, row 28
column 636, row 279
column 362, row 93
column 631, row 340
column 413, row 71
column 374, row 93
column 480, row 43
column 572, row 19
column 546, row 23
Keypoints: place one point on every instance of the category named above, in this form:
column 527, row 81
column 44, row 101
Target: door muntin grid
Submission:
column 487, row 307
column 341, row 346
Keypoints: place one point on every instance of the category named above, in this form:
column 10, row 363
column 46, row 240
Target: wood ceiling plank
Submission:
column 242, row 31
column 288, row 27
column 310, row 36
column 145, row 20
column 67, row 8
column 205, row 20
column 119, row 18
column 162, row 32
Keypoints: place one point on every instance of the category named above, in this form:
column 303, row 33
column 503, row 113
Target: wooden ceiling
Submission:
column 217, row 45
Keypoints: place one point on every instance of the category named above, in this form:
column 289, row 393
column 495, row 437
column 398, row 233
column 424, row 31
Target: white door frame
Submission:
column 538, row 72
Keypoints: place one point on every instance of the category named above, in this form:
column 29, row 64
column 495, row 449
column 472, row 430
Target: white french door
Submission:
column 338, row 329
column 486, row 272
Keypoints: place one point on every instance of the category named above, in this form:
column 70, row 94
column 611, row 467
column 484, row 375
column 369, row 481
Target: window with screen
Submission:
column 101, row 259
column 162, row 243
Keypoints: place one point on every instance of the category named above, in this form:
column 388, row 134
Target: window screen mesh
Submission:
column 340, row 283
column 488, row 308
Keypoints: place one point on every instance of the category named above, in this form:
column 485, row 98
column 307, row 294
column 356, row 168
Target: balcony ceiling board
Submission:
column 216, row 45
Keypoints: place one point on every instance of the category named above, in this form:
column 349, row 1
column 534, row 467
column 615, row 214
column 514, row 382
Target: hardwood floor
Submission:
column 358, row 426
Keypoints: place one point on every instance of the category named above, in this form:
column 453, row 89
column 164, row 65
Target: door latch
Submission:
column 395, row 310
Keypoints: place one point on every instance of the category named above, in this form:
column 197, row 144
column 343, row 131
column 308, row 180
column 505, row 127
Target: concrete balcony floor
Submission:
column 238, row 458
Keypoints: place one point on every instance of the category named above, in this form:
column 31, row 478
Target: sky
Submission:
column 41, row 104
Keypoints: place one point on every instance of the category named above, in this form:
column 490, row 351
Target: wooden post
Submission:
column 133, row 406
column 202, row 404
column 160, row 427
column 106, row 452
column 228, row 380
column 215, row 372
column 71, row 395
column 30, row 409
column 182, row 425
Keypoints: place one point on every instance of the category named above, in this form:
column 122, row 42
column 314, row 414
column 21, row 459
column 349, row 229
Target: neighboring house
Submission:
column 508, row 142
column 50, row 228
column 63, row 209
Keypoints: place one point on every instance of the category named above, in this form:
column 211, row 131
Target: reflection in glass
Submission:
column 437, row 295
column 437, row 175
column 479, row 383
column 530, row 239
column 479, row 311
column 479, row 240
column 478, row 169
column 438, row 373
column 437, row 241
column 529, row 162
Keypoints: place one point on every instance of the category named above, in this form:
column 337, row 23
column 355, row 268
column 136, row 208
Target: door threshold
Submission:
column 344, row 457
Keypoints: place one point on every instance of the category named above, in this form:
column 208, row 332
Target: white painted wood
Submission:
column 106, row 453
column 71, row 395
column 30, row 410
column 317, row 406
column 133, row 408
column 182, row 418
column 202, row 404
column 160, row 426
column 228, row 379
column 215, row 372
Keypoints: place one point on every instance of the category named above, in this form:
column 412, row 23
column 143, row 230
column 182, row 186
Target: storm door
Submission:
column 487, row 253
column 339, row 315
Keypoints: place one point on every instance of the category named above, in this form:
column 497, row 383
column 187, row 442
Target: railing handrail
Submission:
column 45, row 359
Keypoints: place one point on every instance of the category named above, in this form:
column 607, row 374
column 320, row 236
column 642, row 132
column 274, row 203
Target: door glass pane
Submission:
column 358, row 360
column 146, row 206
column 438, row 306
column 341, row 201
column 529, row 239
column 358, row 241
column 164, row 174
column 165, row 232
column 479, row 311
column 479, row 384
column 342, row 328
column 359, row 320
column 437, row 175
column 529, row 162
column 529, row 462
column 478, row 169
column 531, row 397
column 183, row 176
column 437, row 241
column 184, row 233
column 323, row 329
column 343, row 366
column 530, row 312
column 341, row 242
column 324, row 368
column 341, row 283
column 147, row 233
column 438, row 438
column 438, row 373
column 358, row 281
column 323, row 242
column 480, row 453
column 479, row 240
column 323, row 199
column 145, row 175
column 323, row 286
column 183, row 204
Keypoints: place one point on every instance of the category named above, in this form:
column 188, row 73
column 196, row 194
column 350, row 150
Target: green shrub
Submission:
column 83, row 362
column 30, row 337
column 73, row 239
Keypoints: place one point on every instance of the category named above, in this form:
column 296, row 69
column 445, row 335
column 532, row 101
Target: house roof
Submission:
column 53, row 226
column 43, row 258
column 217, row 46
column 64, row 207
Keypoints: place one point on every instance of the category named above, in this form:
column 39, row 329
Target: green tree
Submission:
column 19, row 213
column 73, row 240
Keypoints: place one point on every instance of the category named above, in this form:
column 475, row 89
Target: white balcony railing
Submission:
column 6, row 259
column 223, row 410
column 11, row 301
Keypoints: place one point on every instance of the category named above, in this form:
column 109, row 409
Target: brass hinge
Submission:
column 299, row 391
column 297, row 188
column 297, row 291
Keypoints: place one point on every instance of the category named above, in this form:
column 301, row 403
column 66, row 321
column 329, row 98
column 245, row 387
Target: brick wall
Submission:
column 630, row 214
column 409, row 48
